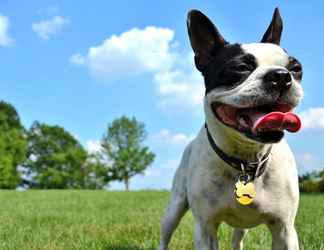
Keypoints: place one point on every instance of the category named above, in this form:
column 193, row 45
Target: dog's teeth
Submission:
column 243, row 122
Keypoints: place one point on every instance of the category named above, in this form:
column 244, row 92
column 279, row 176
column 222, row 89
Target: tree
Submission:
column 56, row 160
column 13, row 146
column 312, row 182
column 122, row 147
column 97, row 177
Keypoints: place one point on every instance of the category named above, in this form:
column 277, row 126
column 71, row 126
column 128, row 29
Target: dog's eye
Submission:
column 241, row 67
column 296, row 68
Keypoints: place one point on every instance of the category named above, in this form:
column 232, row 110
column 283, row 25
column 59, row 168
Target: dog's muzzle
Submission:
column 264, row 123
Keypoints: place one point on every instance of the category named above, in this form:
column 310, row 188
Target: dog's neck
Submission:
column 234, row 144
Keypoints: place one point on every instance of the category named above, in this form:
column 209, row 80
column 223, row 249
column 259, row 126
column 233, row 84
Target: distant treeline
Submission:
column 312, row 182
column 49, row 157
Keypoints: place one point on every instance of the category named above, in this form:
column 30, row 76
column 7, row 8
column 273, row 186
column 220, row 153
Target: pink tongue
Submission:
column 275, row 121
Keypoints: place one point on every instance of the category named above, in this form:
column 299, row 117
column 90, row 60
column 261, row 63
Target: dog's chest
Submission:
column 211, row 185
column 215, row 198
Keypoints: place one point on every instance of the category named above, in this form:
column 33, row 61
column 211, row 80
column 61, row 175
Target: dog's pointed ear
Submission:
column 273, row 33
column 204, row 37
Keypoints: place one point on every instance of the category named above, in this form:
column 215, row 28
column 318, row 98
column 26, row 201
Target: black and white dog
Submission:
column 239, row 170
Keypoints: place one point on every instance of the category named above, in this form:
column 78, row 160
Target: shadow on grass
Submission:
column 124, row 247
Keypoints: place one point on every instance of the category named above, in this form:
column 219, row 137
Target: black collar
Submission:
column 254, row 169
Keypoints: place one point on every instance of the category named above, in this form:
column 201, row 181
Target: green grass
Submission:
column 122, row 220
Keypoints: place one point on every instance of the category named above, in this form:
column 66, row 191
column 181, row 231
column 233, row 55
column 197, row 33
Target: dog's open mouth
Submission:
column 265, row 123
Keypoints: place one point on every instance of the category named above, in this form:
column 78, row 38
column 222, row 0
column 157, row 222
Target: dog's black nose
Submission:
column 279, row 79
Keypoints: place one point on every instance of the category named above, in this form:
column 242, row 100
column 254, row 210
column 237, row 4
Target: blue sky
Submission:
column 81, row 65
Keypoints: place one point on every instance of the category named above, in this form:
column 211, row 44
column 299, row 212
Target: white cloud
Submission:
column 153, row 51
column 93, row 146
column 5, row 39
column 313, row 118
column 176, row 139
column 49, row 27
column 77, row 59
column 133, row 52
column 180, row 89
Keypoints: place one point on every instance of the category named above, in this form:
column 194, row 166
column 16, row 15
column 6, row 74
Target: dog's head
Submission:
column 252, row 88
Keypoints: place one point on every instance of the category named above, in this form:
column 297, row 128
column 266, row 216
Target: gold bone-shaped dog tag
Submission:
column 244, row 192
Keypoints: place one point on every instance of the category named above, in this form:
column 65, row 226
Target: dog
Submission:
column 239, row 170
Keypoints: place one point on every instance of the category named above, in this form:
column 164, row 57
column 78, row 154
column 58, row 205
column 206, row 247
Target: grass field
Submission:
column 121, row 220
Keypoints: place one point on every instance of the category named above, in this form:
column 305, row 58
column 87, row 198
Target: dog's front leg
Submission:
column 237, row 239
column 284, row 236
column 177, row 207
column 206, row 236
